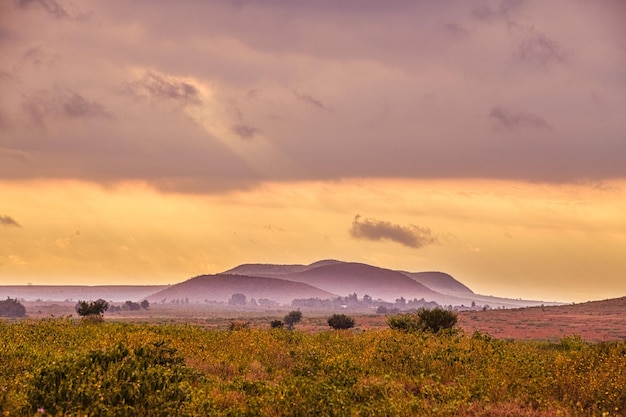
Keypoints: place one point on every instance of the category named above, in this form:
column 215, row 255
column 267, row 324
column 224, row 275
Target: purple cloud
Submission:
column 513, row 120
column 411, row 236
column 8, row 221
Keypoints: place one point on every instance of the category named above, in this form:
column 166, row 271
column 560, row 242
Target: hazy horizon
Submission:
column 148, row 142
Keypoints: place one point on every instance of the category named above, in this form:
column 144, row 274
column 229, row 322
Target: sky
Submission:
column 147, row 142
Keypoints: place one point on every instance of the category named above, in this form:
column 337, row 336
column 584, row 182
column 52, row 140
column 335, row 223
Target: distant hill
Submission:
column 221, row 287
column 440, row 282
column 347, row 277
column 116, row 293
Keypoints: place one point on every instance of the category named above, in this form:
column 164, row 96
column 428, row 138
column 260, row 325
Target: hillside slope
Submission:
column 221, row 287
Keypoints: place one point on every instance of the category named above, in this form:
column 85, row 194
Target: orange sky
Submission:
column 148, row 142
column 498, row 237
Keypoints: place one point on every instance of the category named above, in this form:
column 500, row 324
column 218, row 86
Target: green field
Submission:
column 62, row 366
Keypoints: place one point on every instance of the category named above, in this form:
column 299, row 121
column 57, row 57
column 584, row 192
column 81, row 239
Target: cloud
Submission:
column 539, row 49
column 77, row 106
column 244, row 131
column 411, row 236
column 8, row 221
column 51, row 104
column 505, row 9
column 513, row 120
column 50, row 6
column 310, row 100
column 162, row 87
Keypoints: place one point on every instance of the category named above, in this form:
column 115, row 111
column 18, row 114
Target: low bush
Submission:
column 341, row 322
column 11, row 307
column 150, row 380
column 431, row 320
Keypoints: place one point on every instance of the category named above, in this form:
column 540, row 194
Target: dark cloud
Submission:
column 159, row 87
column 504, row 9
column 310, row 100
column 244, row 131
column 456, row 30
column 541, row 50
column 45, row 104
column 50, row 6
column 411, row 236
column 8, row 221
column 513, row 120
column 77, row 106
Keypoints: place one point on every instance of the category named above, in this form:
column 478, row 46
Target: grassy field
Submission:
column 63, row 366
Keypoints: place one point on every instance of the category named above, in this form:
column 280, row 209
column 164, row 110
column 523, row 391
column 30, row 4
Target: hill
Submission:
column 436, row 281
column 440, row 282
column 117, row 293
column 220, row 288
column 593, row 321
column 345, row 278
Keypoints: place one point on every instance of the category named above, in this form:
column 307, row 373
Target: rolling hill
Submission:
column 221, row 287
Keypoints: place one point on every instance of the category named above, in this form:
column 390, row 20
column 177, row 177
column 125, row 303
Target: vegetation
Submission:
column 91, row 308
column 292, row 318
column 431, row 320
column 341, row 322
column 11, row 307
column 60, row 367
column 277, row 324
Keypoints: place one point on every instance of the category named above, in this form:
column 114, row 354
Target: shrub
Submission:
column 89, row 308
column 292, row 318
column 277, row 324
column 148, row 381
column 238, row 325
column 12, row 308
column 132, row 306
column 341, row 322
column 437, row 319
column 432, row 320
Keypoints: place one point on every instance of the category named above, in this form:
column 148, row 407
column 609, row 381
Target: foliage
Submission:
column 145, row 304
column 184, row 370
column 238, row 325
column 432, row 320
column 131, row 305
column 150, row 380
column 341, row 321
column 11, row 307
column 89, row 308
column 277, row 324
column 237, row 300
column 293, row 317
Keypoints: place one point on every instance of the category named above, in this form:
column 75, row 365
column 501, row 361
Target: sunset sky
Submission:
column 146, row 142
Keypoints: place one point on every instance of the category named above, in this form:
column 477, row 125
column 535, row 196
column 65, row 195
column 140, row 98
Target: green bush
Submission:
column 12, row 308
column 341, row 322
column 292, row 318
column 431, row 320
column 147, row 381
column 91, row 308
column 277, row 324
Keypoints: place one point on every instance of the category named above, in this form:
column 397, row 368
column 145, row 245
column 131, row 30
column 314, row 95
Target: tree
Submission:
column 237, row 300
column 12, row 308
column 92, row 308
column 132, row 306
column 145, row 304
column 292, row 318
column 432, row 320
column 341, row 322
